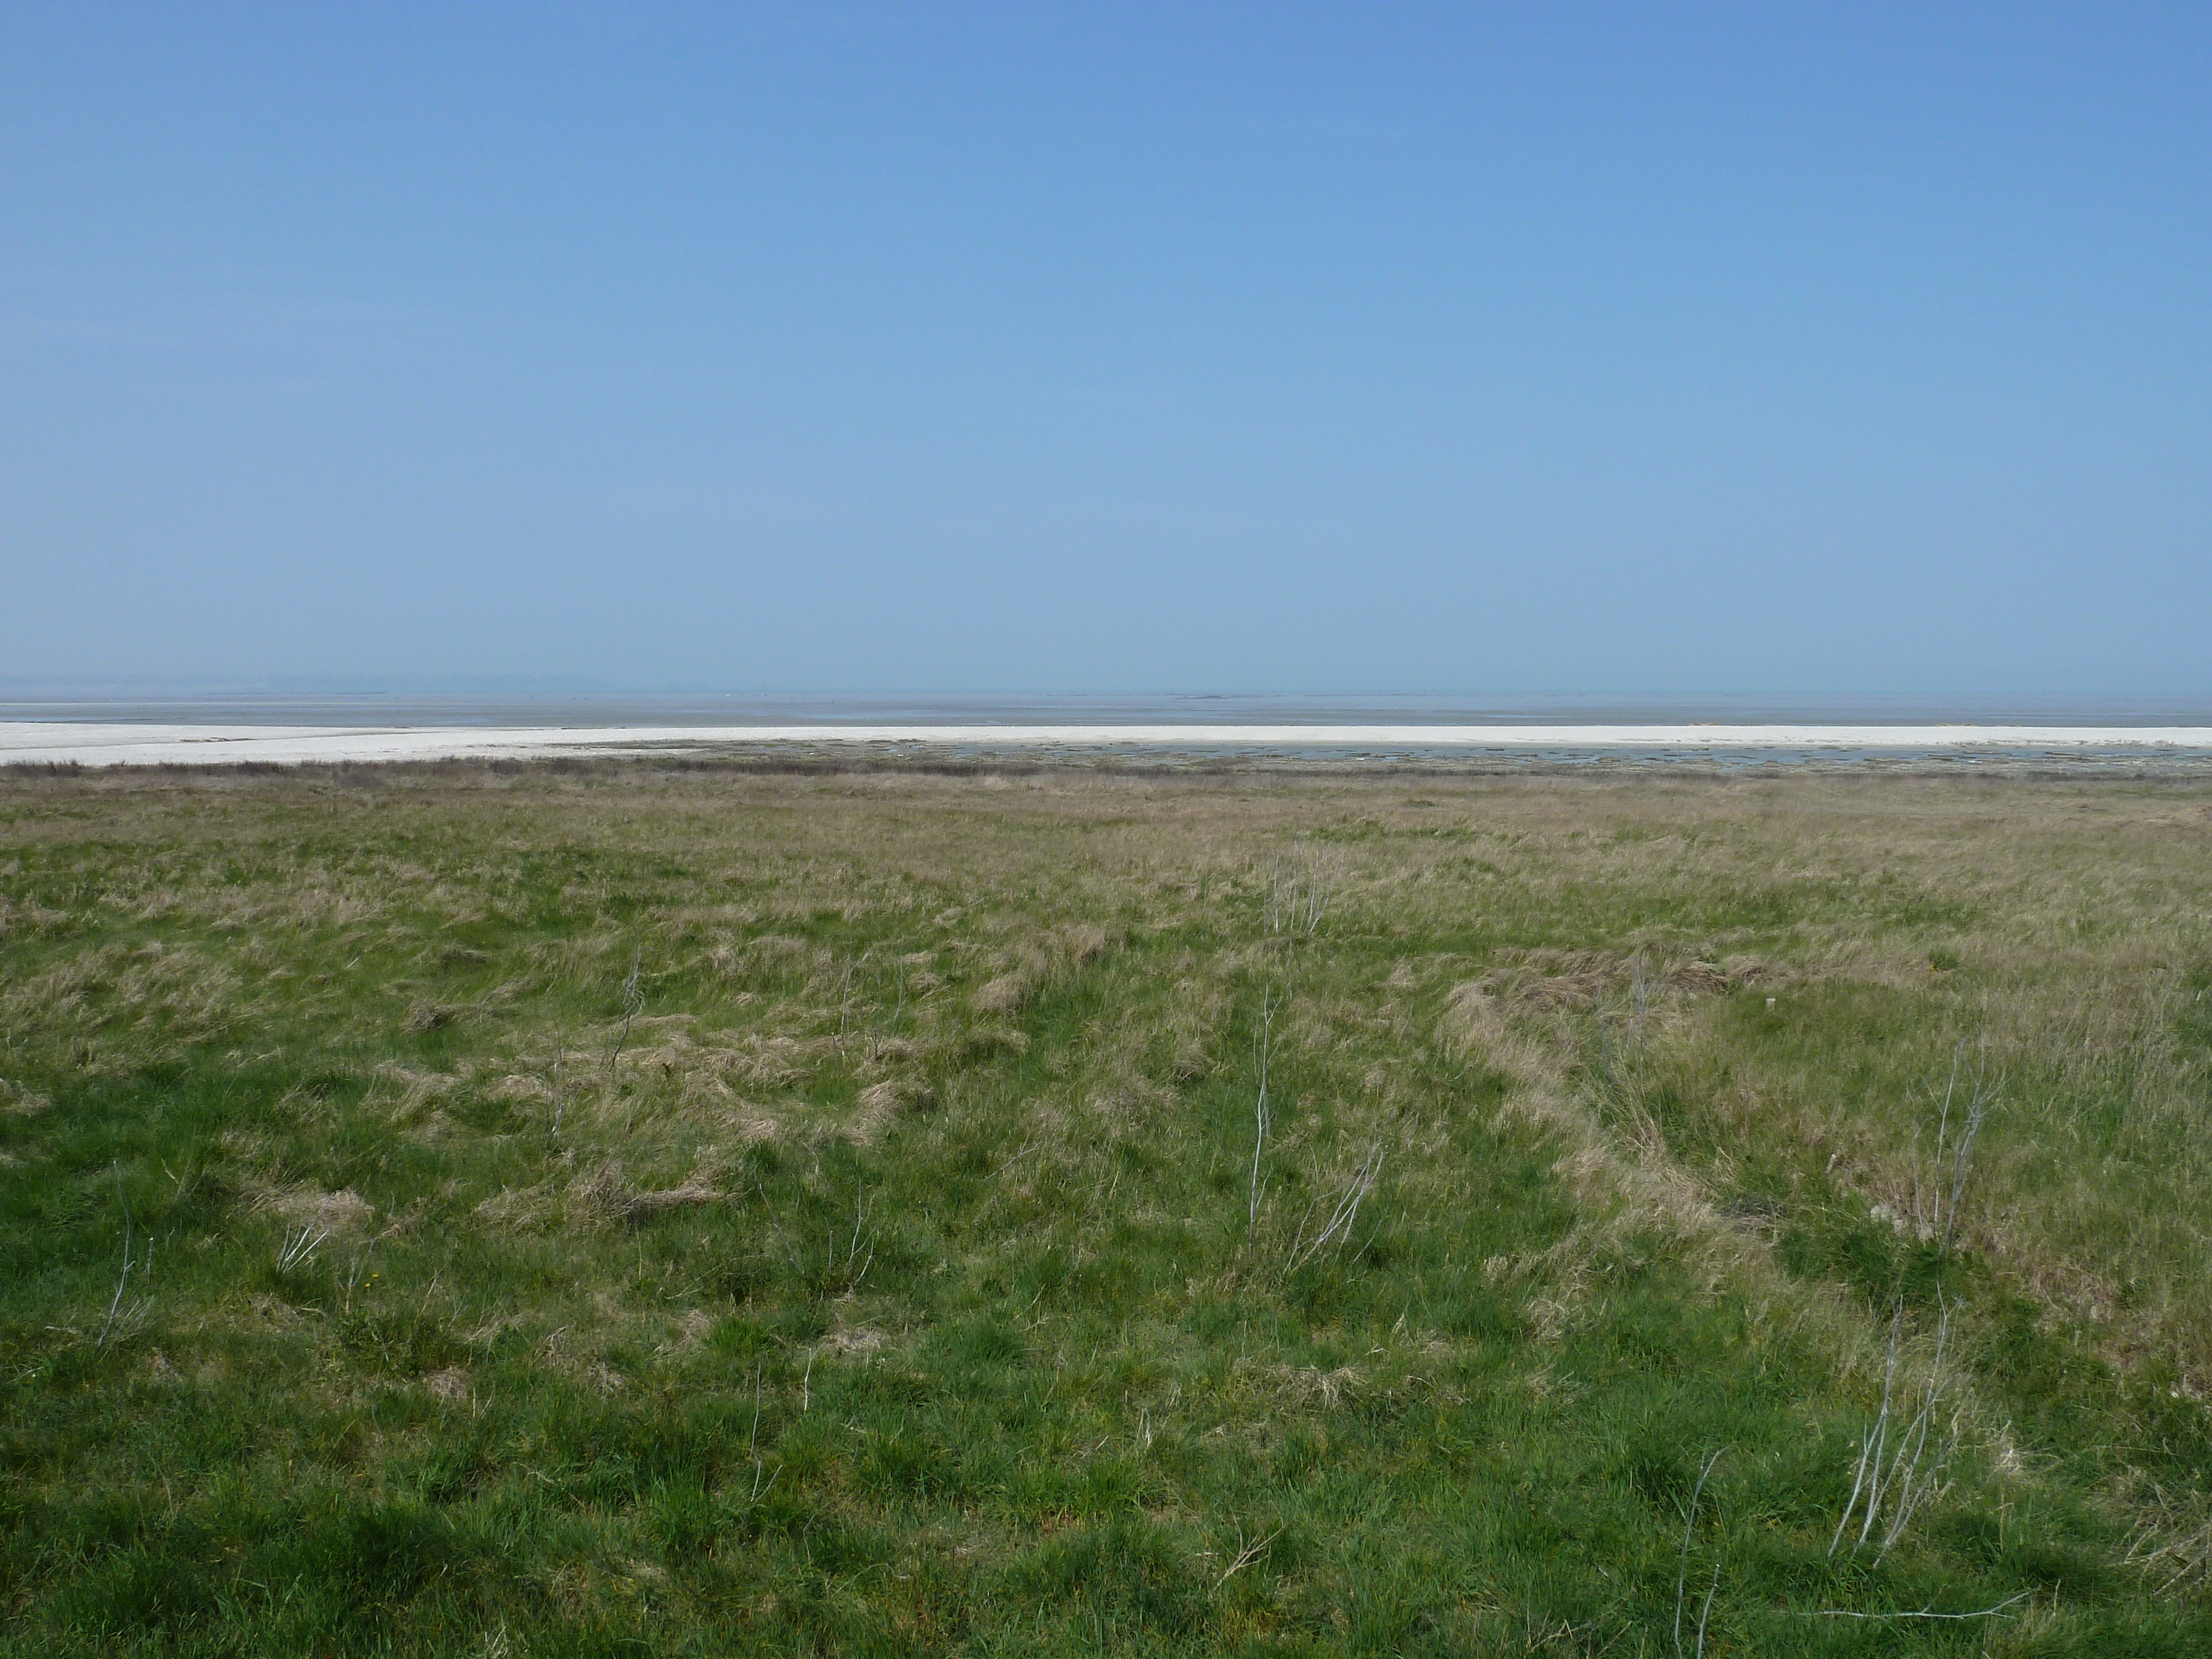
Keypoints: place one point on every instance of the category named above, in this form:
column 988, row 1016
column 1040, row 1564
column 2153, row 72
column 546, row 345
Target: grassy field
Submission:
column 541, row 1210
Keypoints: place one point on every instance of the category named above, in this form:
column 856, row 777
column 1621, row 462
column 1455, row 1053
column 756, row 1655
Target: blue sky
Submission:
column 1627, row 349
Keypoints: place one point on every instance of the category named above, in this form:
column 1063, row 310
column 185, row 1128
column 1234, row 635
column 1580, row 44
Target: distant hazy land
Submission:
column 81, row 742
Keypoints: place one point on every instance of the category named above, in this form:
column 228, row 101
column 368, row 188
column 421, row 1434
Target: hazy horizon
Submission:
column 543, row 707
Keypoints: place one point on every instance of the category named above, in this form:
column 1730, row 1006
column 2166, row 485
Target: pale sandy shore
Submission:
column 40, row 742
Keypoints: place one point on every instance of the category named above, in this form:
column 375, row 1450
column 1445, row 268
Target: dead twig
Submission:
column 1682, row 1575
column 1896, row 1480
column 1922, row 1612
column 633, row 1005
column 1246, row 1554
column 1263, row 1049
column 1347, row 1212
column 115, row 1308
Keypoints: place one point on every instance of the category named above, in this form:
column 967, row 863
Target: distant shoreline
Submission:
column 390, row 710
column 41, row 743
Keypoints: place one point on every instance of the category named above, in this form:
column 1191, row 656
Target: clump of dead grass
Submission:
column 342, row 1214
column 605, row 1198
column 17, row 1101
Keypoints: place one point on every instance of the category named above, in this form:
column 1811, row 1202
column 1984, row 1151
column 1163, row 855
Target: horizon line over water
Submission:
column 738, row 711
column 2187, row 748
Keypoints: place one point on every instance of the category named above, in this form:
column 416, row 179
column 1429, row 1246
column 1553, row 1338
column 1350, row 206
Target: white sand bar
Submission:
column 88, row 743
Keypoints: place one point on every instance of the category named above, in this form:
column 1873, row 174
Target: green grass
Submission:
column 897, row 1289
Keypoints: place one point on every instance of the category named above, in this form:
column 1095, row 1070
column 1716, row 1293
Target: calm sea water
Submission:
column 984, row 710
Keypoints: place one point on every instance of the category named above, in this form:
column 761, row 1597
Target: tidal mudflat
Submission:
column 1436, row 744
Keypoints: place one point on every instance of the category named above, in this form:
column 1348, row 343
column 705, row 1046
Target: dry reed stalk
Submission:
column 1263, row 1049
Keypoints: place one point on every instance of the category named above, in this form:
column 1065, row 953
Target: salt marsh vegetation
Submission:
column 547, row 1209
